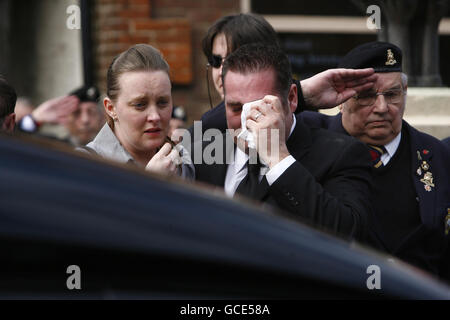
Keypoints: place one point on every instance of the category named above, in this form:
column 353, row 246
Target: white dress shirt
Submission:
column 391, row 148
column 237, row 169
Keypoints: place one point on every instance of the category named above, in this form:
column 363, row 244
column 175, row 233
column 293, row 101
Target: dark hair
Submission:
column 8, row 98
column 257, row 57
column 140, row 57
column 240, row 29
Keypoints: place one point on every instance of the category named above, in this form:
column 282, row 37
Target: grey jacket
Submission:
column 106, row 145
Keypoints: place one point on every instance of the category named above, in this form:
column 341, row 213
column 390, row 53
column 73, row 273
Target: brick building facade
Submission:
column 175, row 27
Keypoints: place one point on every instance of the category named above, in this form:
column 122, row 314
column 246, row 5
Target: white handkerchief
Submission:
column 245, row 134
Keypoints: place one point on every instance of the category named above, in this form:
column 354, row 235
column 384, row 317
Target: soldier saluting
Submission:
column 411, row 196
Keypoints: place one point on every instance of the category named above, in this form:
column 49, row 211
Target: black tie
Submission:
column 249, row 186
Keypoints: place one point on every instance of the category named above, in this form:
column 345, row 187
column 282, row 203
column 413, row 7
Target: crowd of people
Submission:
column 364, row 174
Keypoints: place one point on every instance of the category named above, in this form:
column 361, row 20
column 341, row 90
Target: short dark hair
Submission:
column 8, row 98
column 257, row 57
column 240, row 29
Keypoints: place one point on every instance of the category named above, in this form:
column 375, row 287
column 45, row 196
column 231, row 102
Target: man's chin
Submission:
column 379, row 137
column 151, row 146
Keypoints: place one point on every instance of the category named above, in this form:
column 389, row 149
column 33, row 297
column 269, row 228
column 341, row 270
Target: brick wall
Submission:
column 175, row 27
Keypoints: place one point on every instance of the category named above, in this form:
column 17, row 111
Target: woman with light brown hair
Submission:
column 138, row 108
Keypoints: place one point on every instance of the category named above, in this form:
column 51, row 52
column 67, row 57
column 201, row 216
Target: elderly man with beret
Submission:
column 411, row 198
column 79, row 114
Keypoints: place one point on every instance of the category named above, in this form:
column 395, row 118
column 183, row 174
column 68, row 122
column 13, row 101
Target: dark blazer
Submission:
column 446, row 141
column 430, row 241
column 328, row 186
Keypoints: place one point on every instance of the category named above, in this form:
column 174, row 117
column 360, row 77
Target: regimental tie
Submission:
column 250, row 185
column 376, row 152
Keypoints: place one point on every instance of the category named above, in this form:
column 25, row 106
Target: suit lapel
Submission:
column 217, row 174
column 422, row 167
column 214, row 173
column 299, row 142
column 229, row 149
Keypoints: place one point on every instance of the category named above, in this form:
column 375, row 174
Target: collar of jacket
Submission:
column 108, row 146
column 299, row 142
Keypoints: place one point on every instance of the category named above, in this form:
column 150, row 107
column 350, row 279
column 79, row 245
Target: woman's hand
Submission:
column 165, row 161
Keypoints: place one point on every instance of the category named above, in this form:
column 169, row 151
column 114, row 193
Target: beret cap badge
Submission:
column 390, row 58
column 86, row 94
column 91, row 93
column 381, row 56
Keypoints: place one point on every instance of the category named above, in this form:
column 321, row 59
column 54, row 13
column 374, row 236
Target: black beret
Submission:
column 382, row 56
column 179, row 113
column 86, row 94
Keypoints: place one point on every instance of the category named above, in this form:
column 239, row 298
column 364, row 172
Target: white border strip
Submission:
column 330, row 24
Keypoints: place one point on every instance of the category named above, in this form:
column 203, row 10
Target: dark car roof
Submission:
column 59, row 208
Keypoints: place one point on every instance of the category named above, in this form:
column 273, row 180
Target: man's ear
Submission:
column 293, row 98
column 9, row 123
column 109, row 108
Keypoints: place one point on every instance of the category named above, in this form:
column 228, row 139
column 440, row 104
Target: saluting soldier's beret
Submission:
column 382, row 56
column 86, row 94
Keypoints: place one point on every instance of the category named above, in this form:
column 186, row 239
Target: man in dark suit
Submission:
column 412, row 169
column 322, row 177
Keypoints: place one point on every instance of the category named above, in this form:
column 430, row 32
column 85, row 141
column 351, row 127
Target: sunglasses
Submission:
column 215, row 61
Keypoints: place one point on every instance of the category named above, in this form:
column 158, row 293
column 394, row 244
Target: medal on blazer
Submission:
column 427, row 178
column 425, row 166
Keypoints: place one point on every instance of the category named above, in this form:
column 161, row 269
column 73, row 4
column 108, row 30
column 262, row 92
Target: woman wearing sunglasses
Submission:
column 223, row 37
column 324, row 90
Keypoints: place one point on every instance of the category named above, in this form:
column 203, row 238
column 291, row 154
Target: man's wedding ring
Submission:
column 258, row 115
